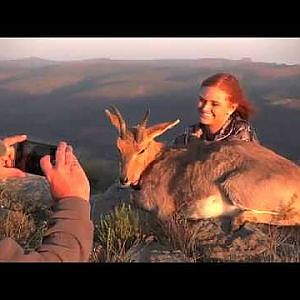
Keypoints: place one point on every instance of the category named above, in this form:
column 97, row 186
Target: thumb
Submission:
column 11, row 140
column 46, row 165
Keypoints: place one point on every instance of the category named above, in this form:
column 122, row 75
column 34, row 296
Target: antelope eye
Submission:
column 142, row 151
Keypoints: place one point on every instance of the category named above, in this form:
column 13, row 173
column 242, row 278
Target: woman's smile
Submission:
column 205, row 115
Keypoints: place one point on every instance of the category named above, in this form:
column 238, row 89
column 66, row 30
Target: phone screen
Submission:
column 29, row 153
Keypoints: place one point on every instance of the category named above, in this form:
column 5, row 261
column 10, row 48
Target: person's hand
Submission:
column 66, row 177
column 7, row 160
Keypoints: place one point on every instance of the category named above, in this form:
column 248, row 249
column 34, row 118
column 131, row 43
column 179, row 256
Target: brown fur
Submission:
column 223, row 178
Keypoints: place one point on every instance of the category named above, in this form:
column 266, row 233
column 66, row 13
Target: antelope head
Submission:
column 136, row 145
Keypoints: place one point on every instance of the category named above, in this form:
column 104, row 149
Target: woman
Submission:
column 224, row 113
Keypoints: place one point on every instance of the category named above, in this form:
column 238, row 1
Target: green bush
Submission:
column 116, row 233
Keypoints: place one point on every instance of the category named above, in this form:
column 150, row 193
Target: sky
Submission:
column 278, row 50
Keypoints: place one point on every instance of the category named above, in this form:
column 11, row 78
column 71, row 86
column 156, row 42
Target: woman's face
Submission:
column 214, row 107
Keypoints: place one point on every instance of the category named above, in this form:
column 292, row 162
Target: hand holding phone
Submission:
column 29, row 153
column 7, row 160
column 66, row 177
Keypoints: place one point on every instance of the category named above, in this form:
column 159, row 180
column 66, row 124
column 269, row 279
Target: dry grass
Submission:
column 283, row 244
column 16, row 225
column 179, row 234
column 115, row 234
column 206, row 241
column 22, row 222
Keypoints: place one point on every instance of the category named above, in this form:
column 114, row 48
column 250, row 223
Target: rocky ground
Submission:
column 174, row 241
column 207, row 240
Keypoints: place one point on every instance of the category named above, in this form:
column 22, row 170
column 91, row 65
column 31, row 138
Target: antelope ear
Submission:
column 114, row 120
column 159, row 129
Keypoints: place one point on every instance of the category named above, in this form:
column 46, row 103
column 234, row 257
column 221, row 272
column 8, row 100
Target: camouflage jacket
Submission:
column 235, row 129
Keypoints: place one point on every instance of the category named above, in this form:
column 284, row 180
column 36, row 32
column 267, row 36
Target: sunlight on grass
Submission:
column 116, row 233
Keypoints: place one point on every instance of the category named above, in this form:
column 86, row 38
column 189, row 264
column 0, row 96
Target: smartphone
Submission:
column 29, row 153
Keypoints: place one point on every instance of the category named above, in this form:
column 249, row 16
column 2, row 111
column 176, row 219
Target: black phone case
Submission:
column 29, row 153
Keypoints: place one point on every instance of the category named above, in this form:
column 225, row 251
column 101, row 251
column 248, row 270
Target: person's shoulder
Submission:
column 244, row 130
column 239, row 120
column 242, row 124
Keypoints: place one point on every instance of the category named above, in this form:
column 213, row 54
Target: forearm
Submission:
column 69, row 237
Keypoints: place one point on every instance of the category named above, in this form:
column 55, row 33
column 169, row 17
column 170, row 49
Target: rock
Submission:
column 169, row 256
column 25, row 210
column 156, row 252
column 32, row 191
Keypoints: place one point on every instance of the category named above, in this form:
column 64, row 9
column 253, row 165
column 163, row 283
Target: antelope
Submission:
column 244, row 180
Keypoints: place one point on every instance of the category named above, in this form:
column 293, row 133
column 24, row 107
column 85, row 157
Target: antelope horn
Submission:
column 122, row 122
column 145, row 119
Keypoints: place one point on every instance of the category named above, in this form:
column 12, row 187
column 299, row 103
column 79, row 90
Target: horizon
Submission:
column 248, row 59
column 267, row 50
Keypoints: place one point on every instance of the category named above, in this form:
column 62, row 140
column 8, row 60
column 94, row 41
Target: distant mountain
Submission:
column 29, row 62
column 123, row 79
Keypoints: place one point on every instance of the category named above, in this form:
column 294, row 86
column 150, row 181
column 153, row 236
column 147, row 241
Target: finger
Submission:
column 11, row 156
column 69, row 156
column 14, row 139
column 75, row 163
column 46, row 165
column 8, row 163
column 8, row 159
column 73, row 157
column 60, row 155
column 2, row 161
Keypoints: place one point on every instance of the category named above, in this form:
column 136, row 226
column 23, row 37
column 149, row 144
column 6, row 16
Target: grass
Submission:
column 16, row 225
column 283, row 245
column 180, row 235
column 116, row 233
column 21, row 221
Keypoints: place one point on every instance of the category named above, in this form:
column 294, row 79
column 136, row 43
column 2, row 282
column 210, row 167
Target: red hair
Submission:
column 229, row 84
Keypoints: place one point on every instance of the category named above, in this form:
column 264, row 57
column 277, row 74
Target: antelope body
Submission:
column 242, row 179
